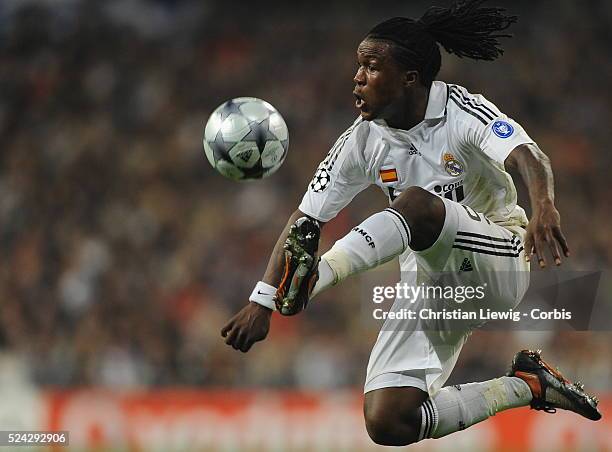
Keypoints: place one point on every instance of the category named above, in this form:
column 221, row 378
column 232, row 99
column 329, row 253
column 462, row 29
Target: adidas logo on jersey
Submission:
column 413, row 150
column 466, row 266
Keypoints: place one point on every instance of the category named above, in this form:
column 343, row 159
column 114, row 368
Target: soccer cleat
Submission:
column 550, row 389
column 300, row 272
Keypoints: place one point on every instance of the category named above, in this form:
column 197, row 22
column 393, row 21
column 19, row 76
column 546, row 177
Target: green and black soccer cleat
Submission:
column 550, row 389
column 301, row 261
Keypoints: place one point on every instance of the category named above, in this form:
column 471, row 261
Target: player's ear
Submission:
column 411, row 79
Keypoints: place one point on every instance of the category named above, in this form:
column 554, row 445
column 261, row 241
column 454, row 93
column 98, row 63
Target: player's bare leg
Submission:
column 424, row 213
column 393, row 415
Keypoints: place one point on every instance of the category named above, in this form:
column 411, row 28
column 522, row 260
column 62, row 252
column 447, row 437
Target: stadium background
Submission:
column 123, row 253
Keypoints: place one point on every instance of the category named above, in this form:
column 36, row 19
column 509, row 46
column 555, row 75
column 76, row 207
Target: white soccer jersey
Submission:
column 457, row 152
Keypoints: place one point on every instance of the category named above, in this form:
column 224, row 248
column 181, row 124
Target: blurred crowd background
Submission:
column 122, row 252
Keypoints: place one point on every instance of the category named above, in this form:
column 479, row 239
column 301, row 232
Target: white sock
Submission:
column 377, row 240
column 456, row 408
column 327, row 278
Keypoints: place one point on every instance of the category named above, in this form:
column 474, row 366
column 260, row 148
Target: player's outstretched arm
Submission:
column 544, row 229
column 252, row 323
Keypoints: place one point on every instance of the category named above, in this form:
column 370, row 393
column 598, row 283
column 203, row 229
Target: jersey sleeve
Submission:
column 486, row 128
column 339, row 177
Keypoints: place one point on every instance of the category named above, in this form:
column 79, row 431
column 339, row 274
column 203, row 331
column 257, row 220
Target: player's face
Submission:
column 379, row 81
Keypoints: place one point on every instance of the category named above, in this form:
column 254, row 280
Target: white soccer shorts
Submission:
column 471, row 250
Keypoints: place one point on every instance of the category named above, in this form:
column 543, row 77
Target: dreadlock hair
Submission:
column 466, row 29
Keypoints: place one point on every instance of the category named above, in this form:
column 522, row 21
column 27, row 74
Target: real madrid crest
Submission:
column 452, row 165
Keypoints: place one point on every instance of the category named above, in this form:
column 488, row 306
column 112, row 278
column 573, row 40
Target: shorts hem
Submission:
column 396, row 380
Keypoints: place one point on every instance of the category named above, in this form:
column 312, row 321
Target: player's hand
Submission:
column 251, row 324
column 544, row 232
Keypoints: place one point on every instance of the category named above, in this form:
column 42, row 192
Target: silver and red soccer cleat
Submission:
column 300, row 271
column 550, row 389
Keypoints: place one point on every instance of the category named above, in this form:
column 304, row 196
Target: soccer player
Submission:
column 440, row 154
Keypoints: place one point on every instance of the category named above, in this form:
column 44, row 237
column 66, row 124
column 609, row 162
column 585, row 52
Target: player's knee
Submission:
column 417, row 204
column 424, row 212
column 379, row 432
column 383, row 429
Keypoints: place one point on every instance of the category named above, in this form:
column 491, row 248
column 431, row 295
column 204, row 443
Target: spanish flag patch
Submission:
column 388, row 175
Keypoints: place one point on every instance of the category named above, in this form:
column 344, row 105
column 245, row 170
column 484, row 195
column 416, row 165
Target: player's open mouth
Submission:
column 358, row 101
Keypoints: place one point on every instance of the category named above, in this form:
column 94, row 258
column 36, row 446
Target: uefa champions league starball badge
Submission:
column 320, row 181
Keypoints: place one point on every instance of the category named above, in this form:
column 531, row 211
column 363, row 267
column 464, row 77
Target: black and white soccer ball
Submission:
column 246, row 138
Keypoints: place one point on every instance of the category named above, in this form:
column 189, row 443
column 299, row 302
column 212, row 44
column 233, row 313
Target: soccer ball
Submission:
column 246, row 138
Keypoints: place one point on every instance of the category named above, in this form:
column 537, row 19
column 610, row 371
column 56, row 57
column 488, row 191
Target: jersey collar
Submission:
column 438, row 96
column 436, row 106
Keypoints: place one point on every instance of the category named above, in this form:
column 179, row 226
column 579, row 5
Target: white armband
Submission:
column 263, row 294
